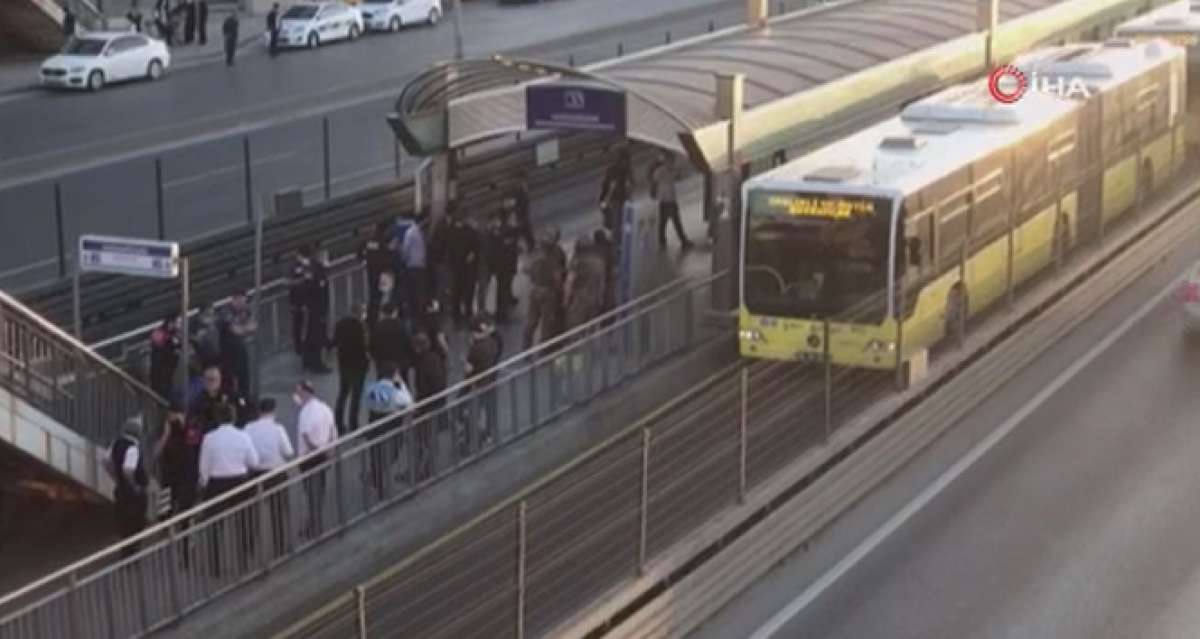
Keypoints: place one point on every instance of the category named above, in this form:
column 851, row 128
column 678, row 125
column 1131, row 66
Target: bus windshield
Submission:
column 817, row 255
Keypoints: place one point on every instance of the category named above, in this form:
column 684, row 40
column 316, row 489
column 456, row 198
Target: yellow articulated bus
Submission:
column 891, row 238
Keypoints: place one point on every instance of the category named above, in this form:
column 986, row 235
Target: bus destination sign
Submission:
column 828, row 206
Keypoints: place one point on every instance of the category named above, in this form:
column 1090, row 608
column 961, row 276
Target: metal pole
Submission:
column 521, row 548
column 644, row 512
column 58, row 221
column 249, row 182
column 158, row 198
column 360, row 595
column 184, row 328
column 828, row 381
column 458, row 39
column 75, row 304
column 325, row 142
column 742, row 435
column 255, row 309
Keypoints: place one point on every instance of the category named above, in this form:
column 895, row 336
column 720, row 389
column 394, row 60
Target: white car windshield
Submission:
column 84, row 46
column 300, row 13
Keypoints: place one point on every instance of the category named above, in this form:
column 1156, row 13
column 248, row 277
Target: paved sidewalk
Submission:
column 19, row 72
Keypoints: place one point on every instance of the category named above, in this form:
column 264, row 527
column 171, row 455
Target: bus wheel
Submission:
column 956, row 313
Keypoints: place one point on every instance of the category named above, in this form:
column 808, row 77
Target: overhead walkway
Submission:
column 60, row 403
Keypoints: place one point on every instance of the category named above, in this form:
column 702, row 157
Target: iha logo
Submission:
column 1008, row 84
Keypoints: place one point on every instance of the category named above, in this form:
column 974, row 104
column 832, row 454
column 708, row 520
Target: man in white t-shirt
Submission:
column 316, row 433
column 274, row 450
column 662, row 180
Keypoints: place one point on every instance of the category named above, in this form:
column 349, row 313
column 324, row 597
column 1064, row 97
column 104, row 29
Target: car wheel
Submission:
column 313, row 41
column 434, row 16
column 394, row 25
column 154, row 70
column 95, row 80
column 353, row 31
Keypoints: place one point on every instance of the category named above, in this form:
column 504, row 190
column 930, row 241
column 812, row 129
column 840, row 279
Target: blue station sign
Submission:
column 575, row 106
column 128, row 256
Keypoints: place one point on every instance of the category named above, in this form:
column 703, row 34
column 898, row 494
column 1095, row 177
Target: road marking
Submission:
column 200, row 177
column 818, row 588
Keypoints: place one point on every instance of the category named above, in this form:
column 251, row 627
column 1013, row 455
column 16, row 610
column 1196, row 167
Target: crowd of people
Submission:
column 421, row 280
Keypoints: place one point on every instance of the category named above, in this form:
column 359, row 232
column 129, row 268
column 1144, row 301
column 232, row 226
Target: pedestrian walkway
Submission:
column 19, row 72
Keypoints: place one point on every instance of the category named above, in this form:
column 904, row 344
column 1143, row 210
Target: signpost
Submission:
column 575, row 107
column 130, row 256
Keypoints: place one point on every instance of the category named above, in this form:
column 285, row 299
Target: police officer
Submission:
column 376, row 258
column 462, row 255
column 616, row 189
column 125, row 465
column 299, row 285
column 317, row 301
column 506, row 252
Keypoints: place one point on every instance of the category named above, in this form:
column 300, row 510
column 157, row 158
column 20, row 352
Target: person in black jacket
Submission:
column 126, row 465
column 273, row 29
column 202, row 21
column 350, row 340
column 377, row 259
column 299, row 287
column 189, row 21
column 229, row 30
column 616, row 189
column 164, row 356
column 390, row 343
column 431, row 380
column 462, row 256
column 317, row 313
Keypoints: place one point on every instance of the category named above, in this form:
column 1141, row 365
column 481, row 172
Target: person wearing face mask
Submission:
column 299, row 281
column 178, row 453
column 316, row 433
column 350, row 340
column 376, row 258
column 317, row 333
column 203, row 409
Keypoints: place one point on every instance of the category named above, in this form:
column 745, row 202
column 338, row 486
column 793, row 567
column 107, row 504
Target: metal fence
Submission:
column 49, row 369
column 199, row 555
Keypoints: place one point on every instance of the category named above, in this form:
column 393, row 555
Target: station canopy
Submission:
column 671, row 91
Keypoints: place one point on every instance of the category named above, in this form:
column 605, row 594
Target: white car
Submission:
column 95, row 59
column 391, row 15
column 1189, row 299
column 313, row 24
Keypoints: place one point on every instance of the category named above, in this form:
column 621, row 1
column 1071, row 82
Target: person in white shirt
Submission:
column 663, row 176
column 274, row 448
column 316, row 432
column 270, row 440
column 226, row 458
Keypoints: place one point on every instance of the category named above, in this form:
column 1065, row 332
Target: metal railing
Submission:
column 201, row 554
column 53, row 372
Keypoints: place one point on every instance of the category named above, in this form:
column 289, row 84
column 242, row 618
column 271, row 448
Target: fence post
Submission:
column 58, row 222
column 248, row 179
column 73, row 622
column 712, row 26
column 745, row 398
column 265, row 527
column 521, row 549
column 668, row 37
column 620, row 49
column 158, row 198
column 173, row 558
column 337, row 487
column 644, row 511
column 571, row 60
column 360, row 598
column 325, row 142
column 828, row 381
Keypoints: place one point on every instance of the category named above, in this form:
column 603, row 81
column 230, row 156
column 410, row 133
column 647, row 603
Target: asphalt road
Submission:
column 1080, row 523
column 101, row 148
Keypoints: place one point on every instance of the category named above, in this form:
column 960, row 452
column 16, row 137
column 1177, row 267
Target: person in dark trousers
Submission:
column 227, row 457
column 178, row 454
column 202, row 21
column 483, row 355
column 501, row 244
column 350, row 340
column 273, row 29
column 616, row 189
column 606, row 249
column 203, row 409
column 390, row 342
column 546, row 275
column 376, row 258
column 317, row 300
column 164, row 356
column 663, row 176
column 229, row 31
column 462, row 254
column 68, row 23
column 126, row 465
column 134, row 16
column 189, row 21
column 386, row 398
column 431, row 379
column 521, row 215
column 299, row 288
column 584, row 290
column 274, row 448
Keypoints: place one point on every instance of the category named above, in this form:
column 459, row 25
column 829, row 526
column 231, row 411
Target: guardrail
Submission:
column 199, row 555
column 61, row 377
column 599, row 538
